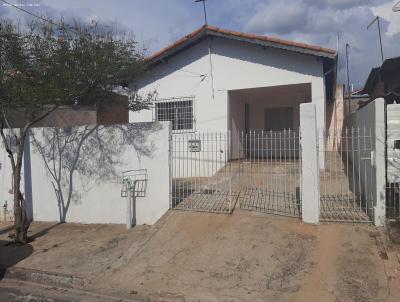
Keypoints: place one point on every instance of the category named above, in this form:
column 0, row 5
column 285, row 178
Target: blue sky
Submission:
column 157, row 23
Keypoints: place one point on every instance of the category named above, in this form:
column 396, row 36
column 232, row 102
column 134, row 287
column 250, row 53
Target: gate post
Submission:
column 310, row 190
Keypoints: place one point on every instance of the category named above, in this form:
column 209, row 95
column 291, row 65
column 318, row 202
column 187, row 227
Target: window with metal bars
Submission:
column 179, row 111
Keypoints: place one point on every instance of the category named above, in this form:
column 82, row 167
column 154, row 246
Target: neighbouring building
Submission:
column 384, row 82
column 88, row 112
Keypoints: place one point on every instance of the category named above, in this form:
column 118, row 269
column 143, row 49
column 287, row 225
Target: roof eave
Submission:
column 182, row 43
column 292, row 48
column 204, row 31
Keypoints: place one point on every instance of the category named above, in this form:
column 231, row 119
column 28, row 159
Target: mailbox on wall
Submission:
column 194, row 145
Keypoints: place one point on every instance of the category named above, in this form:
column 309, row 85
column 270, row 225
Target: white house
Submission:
column 219, row 80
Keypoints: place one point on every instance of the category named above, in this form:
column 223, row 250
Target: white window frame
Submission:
column 177, row 101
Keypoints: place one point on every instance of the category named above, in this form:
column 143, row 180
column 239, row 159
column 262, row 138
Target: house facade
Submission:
column 215, row 80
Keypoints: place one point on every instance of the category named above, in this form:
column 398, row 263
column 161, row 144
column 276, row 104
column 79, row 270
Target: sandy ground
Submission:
column 190, row 256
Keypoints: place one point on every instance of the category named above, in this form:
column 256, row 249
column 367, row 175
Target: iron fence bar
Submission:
column 346, row 181
column 365, row 173
column 359, row 170
column 264, row 171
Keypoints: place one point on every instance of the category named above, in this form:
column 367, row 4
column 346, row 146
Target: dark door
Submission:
column 278, row 119
column 247, row 126
column 246, row 118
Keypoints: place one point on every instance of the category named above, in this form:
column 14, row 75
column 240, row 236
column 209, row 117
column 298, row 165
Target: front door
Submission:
column 246, row 118
column 278, row 119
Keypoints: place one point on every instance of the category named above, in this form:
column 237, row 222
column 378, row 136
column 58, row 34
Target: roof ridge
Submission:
column 228, row 32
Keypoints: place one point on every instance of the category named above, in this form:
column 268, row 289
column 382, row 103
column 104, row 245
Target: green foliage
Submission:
column 43, row 66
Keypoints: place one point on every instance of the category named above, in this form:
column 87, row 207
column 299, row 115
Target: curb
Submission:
column 44, row 277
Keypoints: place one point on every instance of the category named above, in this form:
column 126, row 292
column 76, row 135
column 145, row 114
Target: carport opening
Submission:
column 273, row 111
column 273, row 108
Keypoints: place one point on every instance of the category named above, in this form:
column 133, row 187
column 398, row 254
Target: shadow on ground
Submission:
column 12, row 253
column 43, row 232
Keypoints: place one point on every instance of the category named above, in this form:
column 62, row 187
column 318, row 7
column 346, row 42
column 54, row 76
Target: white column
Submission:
column 310, row 197
column 380, row 177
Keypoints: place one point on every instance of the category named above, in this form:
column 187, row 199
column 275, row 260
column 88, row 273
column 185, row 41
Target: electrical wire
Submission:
column 184, row 70
column 193, row 90
column 76, row 32
column 39, row 17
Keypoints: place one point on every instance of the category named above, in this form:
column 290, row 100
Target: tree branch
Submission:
column 41, row 117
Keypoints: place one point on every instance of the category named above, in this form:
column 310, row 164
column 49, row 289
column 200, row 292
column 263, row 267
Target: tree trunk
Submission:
column 21, row 219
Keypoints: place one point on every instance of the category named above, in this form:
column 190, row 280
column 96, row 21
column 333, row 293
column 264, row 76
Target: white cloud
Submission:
column 320, row 22
column 393, row 18
column 280, row 17
column 160, row 22
column 342, row 4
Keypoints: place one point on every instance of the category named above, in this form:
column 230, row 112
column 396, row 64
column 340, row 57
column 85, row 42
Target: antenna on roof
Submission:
column 396, row 7
column 204, row 8
column 209, row 49
column 379, row 29
column 348, row 78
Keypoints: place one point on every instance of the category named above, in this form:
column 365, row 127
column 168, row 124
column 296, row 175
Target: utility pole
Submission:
column 1, row 46
column 377, row 19
column 348, row 78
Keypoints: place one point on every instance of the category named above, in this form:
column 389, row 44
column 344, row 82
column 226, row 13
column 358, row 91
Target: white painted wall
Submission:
column 96, row 192
column 236, row 65
column 6, row 196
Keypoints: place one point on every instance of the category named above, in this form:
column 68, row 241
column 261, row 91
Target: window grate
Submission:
column 179, row 111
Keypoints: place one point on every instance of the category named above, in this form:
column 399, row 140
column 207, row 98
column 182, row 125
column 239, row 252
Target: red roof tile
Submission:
column 240, row 35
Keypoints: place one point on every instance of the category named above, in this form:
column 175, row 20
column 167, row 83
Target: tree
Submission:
column 43, row 66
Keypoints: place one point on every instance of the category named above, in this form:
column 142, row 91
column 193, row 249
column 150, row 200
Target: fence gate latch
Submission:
column 373, row 158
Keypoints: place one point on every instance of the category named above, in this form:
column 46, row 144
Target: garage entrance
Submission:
column 255, row 165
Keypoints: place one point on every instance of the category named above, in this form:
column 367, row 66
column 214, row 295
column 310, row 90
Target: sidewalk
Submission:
column 79, row 250
column 209, row 257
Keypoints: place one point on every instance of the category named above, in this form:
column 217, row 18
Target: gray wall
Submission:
column 371, row 165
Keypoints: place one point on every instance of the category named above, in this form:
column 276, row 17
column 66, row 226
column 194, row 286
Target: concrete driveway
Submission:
column 190, row 256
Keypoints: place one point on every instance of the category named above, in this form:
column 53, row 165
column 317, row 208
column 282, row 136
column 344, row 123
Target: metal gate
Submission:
column 346, row 175
column 202, row 173
column 270, row 172
column 212, row 171
column 393, row 161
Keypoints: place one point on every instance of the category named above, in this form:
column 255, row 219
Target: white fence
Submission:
column 393, row 161
column 74, row 174
column 347, row 179
column 260, row 169
column 201, row 173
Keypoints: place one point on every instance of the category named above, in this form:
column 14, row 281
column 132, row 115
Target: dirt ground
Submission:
column 191, row 256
